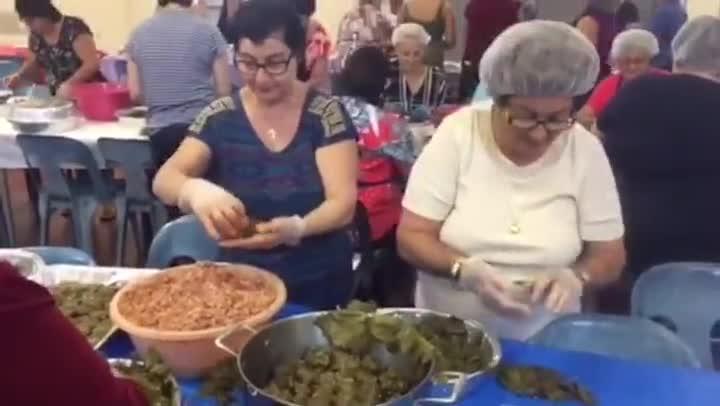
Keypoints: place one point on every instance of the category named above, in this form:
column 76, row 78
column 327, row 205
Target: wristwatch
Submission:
column 456, row 270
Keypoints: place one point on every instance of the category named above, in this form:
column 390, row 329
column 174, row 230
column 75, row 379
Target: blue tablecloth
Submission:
column 614, row 382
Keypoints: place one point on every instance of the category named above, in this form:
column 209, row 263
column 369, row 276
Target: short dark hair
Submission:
column 364, row 75
column 257, row 20
column 37, row 9
column 183, row 3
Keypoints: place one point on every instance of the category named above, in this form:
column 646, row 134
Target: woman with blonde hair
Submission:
column 437, row 17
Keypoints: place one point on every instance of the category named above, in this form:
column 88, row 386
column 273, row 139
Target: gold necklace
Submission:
column 515, row 227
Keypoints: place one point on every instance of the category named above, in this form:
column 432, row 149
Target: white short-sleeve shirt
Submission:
column 521, row 220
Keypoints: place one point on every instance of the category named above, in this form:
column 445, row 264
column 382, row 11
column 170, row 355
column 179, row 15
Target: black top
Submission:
column 60, row 60
column 662, row 135
column 431, row 94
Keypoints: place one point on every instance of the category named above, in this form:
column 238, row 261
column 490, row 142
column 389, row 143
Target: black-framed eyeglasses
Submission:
column 252, row 67
column 550, row 125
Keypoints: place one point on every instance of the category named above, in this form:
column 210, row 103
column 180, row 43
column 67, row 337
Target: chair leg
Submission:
column 138, row 228
column 31, row 175
column 83, row 216
column 122, row 222
column 44, row 217
column 9, row 226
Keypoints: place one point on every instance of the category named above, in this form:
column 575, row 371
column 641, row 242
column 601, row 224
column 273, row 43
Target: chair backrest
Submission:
column 62, row 255
column 134, row 157
column 184, row 238
column 685, row 297
column 51, row 154
column 629, row 338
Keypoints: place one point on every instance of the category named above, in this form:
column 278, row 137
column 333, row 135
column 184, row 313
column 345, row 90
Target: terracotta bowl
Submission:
column 192, row 354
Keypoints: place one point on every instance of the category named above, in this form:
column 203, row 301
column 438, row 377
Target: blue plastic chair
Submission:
column 133, row 157
column 628, row 338
column 685, row 297
column 62, row 255
column 57, row 190
column 182, row 239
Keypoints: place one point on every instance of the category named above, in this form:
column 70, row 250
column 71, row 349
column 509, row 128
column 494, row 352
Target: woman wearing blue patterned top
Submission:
column 276, row 152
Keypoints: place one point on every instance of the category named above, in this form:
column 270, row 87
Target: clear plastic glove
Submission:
column 221, row 213
column 557, row 290
column 279, row 231
column 494, row 290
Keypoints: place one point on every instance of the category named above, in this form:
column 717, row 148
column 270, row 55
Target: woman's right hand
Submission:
column 495, row 291
column 221, row 213
column 12, row 81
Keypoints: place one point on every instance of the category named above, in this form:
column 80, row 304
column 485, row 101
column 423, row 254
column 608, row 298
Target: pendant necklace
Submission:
column 515, row 227
column 273, row 136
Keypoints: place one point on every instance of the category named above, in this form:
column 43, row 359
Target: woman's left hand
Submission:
column 279, row 231
column 557, row 290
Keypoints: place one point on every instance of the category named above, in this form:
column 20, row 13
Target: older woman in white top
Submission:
column 512, row 212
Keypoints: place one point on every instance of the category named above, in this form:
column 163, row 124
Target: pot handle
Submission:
column 458, row 381
column 220, row 341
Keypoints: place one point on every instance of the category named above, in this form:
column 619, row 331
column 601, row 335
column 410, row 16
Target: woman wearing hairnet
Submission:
column 631, row 54
column 511, row 213
column 662, row 135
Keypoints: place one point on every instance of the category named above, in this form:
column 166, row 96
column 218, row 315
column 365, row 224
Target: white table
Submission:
column 89, row 132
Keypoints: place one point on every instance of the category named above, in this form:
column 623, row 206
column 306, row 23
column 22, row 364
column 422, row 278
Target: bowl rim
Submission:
column 193, row 335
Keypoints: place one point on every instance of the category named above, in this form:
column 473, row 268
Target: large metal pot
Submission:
column 444, row 378
column 287, row 340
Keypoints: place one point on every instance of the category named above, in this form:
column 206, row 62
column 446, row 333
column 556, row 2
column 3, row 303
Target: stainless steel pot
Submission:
column 40, row 110
column 31, row 116
column 443, row 379
column 287, row 340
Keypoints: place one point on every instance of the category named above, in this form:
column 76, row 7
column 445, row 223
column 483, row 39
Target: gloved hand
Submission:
column 557, row 290
column 290, row 230
column 276, row 232
column 221, row 213
column 493, row 289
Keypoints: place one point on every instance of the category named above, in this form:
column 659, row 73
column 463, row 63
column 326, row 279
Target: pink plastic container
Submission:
column 100, row 101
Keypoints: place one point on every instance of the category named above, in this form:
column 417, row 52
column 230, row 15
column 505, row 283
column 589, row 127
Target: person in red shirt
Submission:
column 631, row 54
column 486, row 19
column 45, row 359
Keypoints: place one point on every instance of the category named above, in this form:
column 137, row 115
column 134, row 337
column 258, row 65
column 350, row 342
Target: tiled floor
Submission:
column 27, row 232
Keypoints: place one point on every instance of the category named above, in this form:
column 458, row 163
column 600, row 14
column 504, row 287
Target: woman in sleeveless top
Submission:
column 442, row 27
column 61, row 46
column 598, row 24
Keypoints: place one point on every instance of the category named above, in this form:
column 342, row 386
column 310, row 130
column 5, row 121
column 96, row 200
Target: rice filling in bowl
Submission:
column 204, row 297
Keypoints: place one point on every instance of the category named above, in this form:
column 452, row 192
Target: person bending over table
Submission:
column 415, row 84
column 177, row 65
column 278, row 152
column 516, row 193
column 46, row 360
column 661, row 135
column 62, row 46
column 631, row 54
